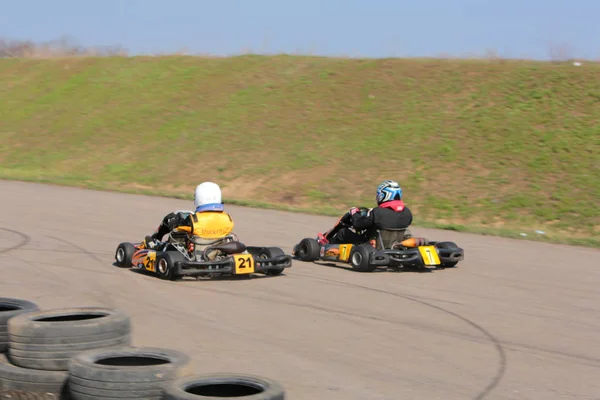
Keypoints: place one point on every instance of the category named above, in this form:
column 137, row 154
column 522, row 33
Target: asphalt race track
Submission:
column 515, row 320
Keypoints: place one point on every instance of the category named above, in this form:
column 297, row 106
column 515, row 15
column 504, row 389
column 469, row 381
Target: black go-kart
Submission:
column 387, row 248
column 184, row 254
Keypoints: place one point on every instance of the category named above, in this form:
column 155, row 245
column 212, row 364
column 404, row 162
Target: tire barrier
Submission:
column 213, row 386
column 125, row 373
column 86, row 353
column 48, row 339
column 24, row 383
column 8, row 309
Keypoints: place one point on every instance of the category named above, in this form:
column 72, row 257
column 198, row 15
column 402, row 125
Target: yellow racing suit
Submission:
column 206, row 225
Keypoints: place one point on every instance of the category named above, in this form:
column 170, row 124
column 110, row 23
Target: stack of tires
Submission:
column 86, row 353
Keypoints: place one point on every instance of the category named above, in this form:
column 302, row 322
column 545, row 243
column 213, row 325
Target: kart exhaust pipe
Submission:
column 414, row 242
column 411, row 242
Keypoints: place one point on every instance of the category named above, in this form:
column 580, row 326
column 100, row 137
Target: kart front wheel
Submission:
column 359, row 258
column 165, row 265
column 308, row 250
column 272, row 252
column 124, row 254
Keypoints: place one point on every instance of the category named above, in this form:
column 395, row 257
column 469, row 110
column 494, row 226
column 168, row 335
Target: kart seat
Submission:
column 230, row 247
column 203, row 242
column 388, row 237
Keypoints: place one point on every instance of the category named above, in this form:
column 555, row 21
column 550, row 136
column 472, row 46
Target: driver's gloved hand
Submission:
column 149, row 242
column 346, row 218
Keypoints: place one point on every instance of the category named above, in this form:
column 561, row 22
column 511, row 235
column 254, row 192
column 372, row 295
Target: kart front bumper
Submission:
column 412, row 257
column 227, row 266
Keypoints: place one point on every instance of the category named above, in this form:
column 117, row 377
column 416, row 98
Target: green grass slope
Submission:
column 498, row 146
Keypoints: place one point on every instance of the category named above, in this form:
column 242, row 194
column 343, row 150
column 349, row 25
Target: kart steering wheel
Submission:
column 363, row 211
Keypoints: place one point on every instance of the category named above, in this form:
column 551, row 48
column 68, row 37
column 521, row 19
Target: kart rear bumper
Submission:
column 412, row 257
column 227, row 266
column 395, row 258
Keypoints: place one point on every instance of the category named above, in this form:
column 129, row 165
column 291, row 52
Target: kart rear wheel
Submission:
column 123, row 254
column 308, row 249
column 271, row 252
column 449, row 264
column 449, row 246
column 165, row 265
column 359, row 258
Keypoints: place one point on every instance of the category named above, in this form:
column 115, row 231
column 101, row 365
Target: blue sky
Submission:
column 376, row 28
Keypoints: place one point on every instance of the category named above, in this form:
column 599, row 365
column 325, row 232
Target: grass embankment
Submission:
column 498, row 146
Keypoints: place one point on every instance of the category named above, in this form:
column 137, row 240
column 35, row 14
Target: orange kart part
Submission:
column 414, row 242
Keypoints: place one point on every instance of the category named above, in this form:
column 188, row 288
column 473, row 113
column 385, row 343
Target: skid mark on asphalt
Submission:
column 330, row 310
column 74, row 267
column 81, row 249
column 513, row 346
column 495, row 381
column 26, row 239
column 108, row 297
column 509, row 345
column 488, row 389
column 53, row 278
column 171, row 310
column 23, row 242
column 497, row 345
column 66, row 251
column 502, row 362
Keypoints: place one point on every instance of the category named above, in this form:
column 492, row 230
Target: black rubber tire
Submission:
column 128, row 250
column 169, row 257
column 450, row 264
column 359, row 258
column 220, row 386
column 132, row 372
column 9, row 308
column 449, row 246
column 48, row 339
column 23, row 383
column 308, row 250
column 3, row 340
column 446, row 245
column 271, row 252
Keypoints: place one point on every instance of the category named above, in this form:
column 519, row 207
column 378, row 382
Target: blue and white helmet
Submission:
column 388, row 190
column 207, row 197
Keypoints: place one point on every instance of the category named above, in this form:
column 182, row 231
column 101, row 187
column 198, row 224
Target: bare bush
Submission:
column 63, row 47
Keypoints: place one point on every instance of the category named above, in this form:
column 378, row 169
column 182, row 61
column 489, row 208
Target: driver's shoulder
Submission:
column 214, row 215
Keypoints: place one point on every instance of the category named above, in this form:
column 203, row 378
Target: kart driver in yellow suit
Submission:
column 209, row 221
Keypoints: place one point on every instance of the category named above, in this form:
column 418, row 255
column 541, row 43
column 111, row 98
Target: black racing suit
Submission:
column 170, row 222
column 393, row 214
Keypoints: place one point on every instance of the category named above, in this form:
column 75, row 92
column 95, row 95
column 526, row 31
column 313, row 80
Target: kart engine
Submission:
column 198, row 249
column 207, row 252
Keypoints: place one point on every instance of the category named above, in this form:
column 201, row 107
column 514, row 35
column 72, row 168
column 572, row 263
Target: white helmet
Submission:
column 207, row 197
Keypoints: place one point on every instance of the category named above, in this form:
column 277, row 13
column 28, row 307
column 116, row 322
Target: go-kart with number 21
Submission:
column 184, row 254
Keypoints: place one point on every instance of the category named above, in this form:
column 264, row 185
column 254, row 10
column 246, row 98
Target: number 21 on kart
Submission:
column 244, row 264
